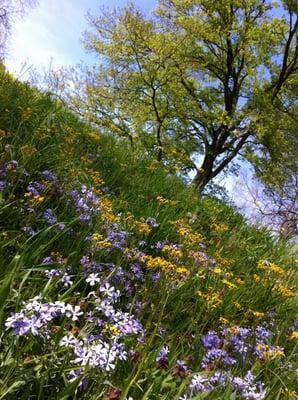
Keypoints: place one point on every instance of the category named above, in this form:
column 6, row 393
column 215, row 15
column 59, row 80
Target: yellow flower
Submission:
column 99, row 241
column 158, row 262
column 182, row 270
column 223, row 320
column 257, row 314
column 172, row 251
column 217, row 270
column 284, row 291
column 270, row 353
column 228, row 283
column 220, row 228
column 270, row 267
column 294, row 335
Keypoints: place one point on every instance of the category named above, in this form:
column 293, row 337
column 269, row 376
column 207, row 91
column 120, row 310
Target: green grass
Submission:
column 222, row 286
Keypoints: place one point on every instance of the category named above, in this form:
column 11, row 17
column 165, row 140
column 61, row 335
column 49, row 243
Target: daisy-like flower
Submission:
column 73, row 312
column 92, row 279
column 68, row 341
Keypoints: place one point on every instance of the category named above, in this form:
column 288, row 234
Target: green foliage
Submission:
column 197, row 78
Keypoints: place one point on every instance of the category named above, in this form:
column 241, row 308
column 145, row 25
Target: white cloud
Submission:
column 51, row 31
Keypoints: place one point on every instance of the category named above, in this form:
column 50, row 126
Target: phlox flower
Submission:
column 92, row 279
column 73, row 312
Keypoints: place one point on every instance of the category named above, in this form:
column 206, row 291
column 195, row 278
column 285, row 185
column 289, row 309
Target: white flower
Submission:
column 73, row 312
column 68, row 341
column 93, row 279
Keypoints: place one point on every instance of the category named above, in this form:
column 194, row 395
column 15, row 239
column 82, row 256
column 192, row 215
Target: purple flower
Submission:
column 180, row 369
column 162, row 358
column 50, row 216
column 211, row 340
column 199, row 384
column 86, row 203
column 49, row 175
column 152, row 222
column 3, row 186
column 47, row 260
column 248, row 388
column 35, row 188
column 263, row 333
column 155, row 276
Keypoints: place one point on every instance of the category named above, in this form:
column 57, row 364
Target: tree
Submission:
column 9, row 11
column 200, row 80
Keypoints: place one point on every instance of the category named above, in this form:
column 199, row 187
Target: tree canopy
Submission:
column 199, row 81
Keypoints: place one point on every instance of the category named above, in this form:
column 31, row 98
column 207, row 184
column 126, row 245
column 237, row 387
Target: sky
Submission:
column 52, row 33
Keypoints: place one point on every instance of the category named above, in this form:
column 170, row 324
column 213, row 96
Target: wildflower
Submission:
column 68, row 341
column 92, row 279
column 248, row 388
column 228, row 284
column 162, row 358
column 180, row 369
column 73, row 312
column 200, row 383
column 49, row 216
column 66, row 280
column 211, row 340
column 152, row 222
column 294, row 335
column 49, row 175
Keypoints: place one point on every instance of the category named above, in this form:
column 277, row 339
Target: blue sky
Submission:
column 53, row 30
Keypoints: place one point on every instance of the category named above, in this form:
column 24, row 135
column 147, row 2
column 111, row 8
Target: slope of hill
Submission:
column 117, row 282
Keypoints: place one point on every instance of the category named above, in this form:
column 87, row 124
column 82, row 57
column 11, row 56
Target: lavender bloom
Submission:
column 137, row 272
column 86, row 203
column 66, row 280
column 35, row 188
column 219, row 378
column 117, row 239
column 211, row 340
column 152, row 222
column 3, row 186
column 52, row 273
column 180, row 369
column 263, row 333
column 215, row 355
column 162, row 357
column 248, row 388
column 199, row 384
column 155, row 276
column 47, row 260
column 50, row 216
column 49, row 175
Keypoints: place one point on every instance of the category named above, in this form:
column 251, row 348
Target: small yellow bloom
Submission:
column 229, row 284
column 294, row 335
column 257, row 314
column 223, row 320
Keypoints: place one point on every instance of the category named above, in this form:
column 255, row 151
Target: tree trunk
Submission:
column 203, row 175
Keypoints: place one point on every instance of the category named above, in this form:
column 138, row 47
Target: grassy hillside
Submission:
column 117, row 282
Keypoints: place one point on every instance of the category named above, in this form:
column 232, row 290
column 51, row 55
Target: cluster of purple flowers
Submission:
column 222, row 351
column 86, row 203
column 36, row 188
column 50, row 217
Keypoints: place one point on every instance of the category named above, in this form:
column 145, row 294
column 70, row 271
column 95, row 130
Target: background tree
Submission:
column 203, row 81
column 10, row 10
